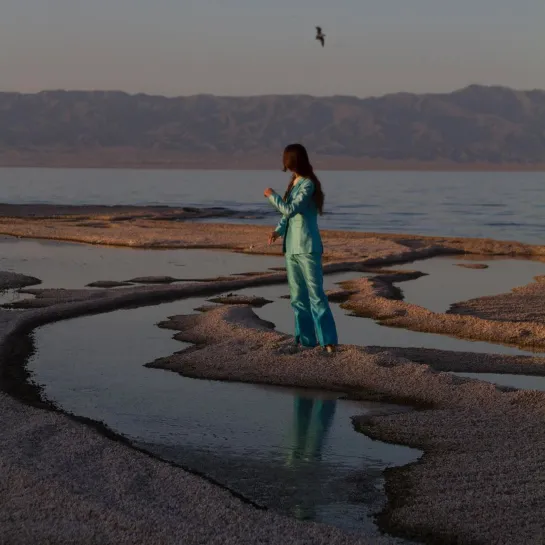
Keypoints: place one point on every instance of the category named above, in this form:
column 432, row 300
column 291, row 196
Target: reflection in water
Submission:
column 238, row 434
column 312, row 420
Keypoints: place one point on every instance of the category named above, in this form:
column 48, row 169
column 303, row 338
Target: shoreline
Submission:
column 162, row 227
column 146, row 160
column 461, row 420
column 234, row 168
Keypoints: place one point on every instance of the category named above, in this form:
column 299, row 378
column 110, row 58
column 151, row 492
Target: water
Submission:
column 521, row 382
column 293, row 451
column 505, row 205
column 445, row 283
column 67, row 265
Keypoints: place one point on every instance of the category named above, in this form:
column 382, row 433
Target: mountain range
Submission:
column 481, row 126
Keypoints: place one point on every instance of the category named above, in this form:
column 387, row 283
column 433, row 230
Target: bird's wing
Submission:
column 319, row 30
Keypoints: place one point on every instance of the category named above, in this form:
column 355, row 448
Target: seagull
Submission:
column 320, row 36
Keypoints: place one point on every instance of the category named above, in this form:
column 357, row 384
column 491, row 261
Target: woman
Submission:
column 302, row 202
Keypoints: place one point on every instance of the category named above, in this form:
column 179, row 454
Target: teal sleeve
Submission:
column 300, row 202
column 281, row 227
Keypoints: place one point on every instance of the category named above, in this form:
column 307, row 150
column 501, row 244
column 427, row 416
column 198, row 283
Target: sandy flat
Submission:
column 522, row 304
column 152, row 227
column 478, row 482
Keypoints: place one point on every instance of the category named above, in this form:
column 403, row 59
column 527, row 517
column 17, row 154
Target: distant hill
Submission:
column 477, row 125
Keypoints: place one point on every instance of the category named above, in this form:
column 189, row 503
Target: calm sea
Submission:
column 480, row 204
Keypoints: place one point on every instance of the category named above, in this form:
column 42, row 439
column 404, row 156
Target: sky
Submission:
column 254, row 47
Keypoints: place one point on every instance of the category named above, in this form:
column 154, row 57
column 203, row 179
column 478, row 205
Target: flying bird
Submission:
column 320, row 36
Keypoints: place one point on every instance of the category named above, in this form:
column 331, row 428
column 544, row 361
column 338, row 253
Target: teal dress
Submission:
column 303, row 248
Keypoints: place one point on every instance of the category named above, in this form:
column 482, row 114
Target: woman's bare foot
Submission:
column 330, row 348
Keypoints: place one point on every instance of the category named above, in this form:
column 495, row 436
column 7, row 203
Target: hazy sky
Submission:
column 246, row 47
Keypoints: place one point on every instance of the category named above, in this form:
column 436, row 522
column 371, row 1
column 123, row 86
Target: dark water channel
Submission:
column 294, row 451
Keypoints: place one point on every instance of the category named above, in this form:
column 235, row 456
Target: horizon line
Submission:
column 262, row 95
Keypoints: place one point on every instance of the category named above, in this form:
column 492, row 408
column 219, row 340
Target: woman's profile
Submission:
column 303, row 249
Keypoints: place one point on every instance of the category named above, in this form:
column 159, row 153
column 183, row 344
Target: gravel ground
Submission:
column 479, row 481
column 523, row 304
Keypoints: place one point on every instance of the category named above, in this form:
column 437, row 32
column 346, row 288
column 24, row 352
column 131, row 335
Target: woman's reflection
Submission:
column 312, row 421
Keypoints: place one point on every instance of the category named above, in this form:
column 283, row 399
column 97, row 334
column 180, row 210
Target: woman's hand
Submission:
column 268, row 192
column 272, row 237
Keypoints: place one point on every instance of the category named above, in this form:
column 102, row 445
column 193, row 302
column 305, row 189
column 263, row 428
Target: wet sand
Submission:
column 100, row 215
column 153, row 228
column 522, row 304
column 11, row 280
column 482, row 444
